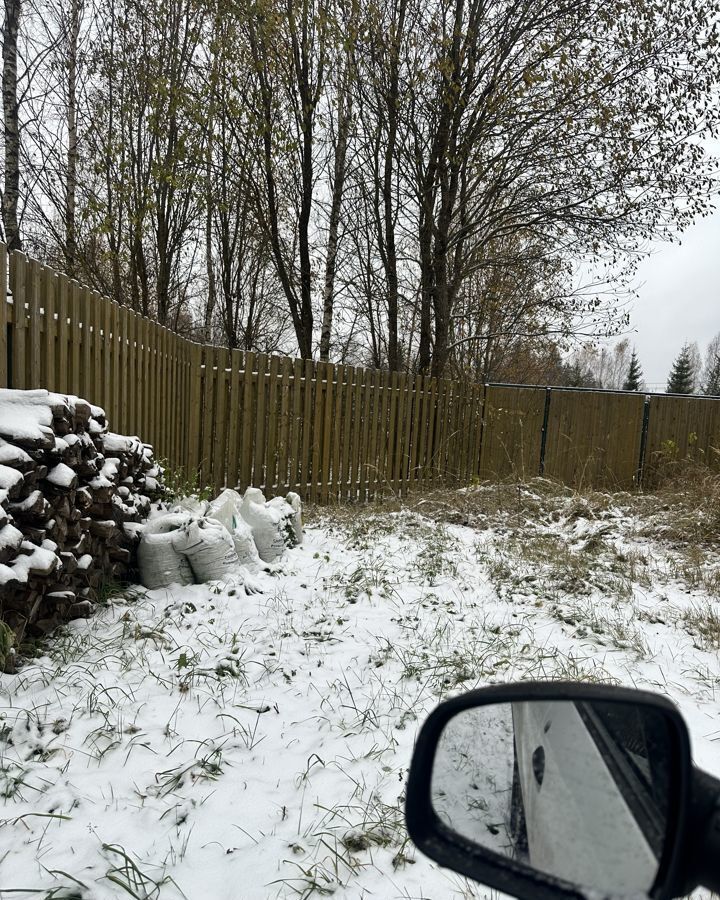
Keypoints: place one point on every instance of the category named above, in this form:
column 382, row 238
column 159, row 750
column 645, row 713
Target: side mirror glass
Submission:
column 584, row 792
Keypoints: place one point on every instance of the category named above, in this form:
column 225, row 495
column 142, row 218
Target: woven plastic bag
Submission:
column 266, row 524
column 159, row 560
column 225, row 509
column 208, row 547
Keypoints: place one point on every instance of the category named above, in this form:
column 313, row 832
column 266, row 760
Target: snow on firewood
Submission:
column 69, row 492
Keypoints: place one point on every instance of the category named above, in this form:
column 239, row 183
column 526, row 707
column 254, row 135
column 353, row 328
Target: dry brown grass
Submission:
column 680, row 518
column 684, row 508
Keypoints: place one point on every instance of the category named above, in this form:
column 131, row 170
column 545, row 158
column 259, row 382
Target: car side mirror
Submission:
column 547, row 790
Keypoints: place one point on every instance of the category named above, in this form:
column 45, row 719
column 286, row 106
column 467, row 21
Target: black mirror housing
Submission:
column 451, row 849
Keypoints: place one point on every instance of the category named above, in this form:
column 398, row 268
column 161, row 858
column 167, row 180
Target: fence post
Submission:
column 643, row 441
column 481, row 434
column 543, row 437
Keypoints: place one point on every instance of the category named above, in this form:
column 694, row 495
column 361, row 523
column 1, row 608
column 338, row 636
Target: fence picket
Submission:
column 86, row 304
column 407, row 432
column 353, row 433
column 208, row 393
column 169, row 408
column 115, row 342
column 247, row 432
column 283, row 478
column 33, row 286
column 325, row 479
column 18, row 274
column 338, row 430
column 132, row 382
column 185, row 431
column 383, row 433
column 4, row 317
column 48, row 289
column 194, row 429
column 258, row 476
column 392, row 433
column 172, row 405
column 364, row 449
column 296, row 425
column 145, row 387
column 375, row 427
column 62, row 332
column 76, row 336
column 219, row 447
column 321, row 374
column 234, row 414
column 271, row 417
column 412, row 463
column 156, row 345
column 107, row 364
column 306, row 428
column 345, row 462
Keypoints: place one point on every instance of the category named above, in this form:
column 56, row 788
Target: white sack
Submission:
column 225, row 509
column 159, row 560
column 191, row 505
column 209, row 549
column 287, row 520
column 266, row 524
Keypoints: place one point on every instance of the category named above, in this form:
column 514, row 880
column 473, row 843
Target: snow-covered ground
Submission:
column 202, row 743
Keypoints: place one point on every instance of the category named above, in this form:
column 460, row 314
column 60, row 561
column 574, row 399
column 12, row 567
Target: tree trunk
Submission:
column 11, row 191
column 209, row 267
column 426, row 287
column 392, row 104
column 305, row 333
column 72, row 148
column 344, row 120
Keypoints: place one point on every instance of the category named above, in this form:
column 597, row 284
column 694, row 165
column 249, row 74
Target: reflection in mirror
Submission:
column 575, row 789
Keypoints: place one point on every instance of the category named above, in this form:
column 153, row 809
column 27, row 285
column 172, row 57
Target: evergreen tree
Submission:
column 574, row 375
column 682, row 374
column 711, row 387
column 633, row 379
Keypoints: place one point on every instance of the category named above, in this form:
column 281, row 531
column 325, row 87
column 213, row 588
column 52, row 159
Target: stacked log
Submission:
column 72, row 497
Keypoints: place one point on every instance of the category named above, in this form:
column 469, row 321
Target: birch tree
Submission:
column 11, row 125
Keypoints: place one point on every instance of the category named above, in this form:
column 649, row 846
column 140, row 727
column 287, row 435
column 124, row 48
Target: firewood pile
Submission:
column 71, row 497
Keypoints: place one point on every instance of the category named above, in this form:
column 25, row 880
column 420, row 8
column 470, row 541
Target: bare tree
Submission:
column 11, row 124
column 289, row 51
column 344, row 100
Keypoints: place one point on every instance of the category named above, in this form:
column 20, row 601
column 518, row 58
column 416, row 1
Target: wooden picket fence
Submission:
column 329, row 432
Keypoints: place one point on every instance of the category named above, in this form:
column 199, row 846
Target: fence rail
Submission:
column 329, row 432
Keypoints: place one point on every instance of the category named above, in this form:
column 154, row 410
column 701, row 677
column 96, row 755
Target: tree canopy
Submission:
column 408, row 184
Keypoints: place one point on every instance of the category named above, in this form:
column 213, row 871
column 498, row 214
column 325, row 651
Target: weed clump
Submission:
column 180, row 484
column 684, row 508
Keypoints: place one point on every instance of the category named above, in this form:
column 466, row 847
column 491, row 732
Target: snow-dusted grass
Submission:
column 201, row 743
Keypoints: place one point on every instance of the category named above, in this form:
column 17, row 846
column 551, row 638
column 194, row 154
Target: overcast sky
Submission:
column 679, row 298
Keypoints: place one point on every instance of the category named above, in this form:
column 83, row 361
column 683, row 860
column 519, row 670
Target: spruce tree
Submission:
column 711, row 387
column 682, row 374
column 634, row 375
